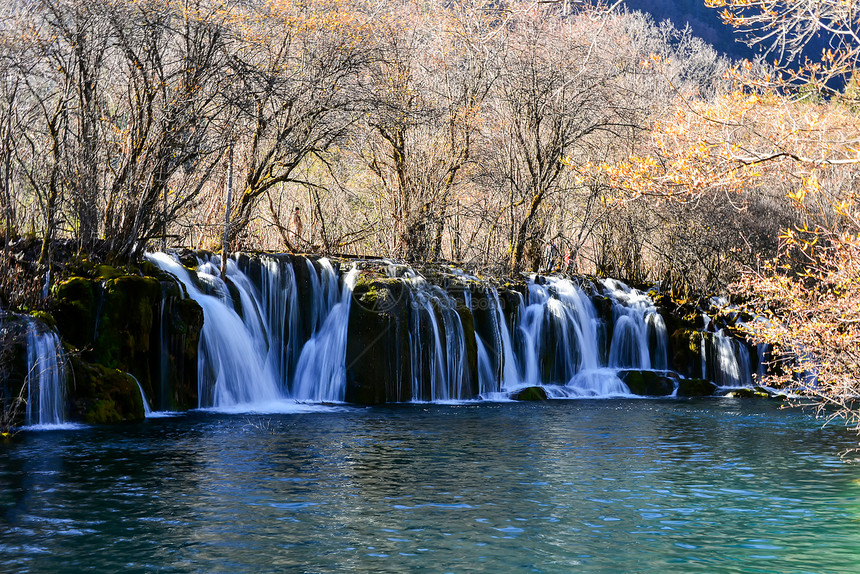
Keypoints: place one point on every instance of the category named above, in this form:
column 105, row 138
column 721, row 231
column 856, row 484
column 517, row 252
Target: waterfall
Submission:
column 275, row 301
column 233, row 366
column 510, row 373
column 557, row 335
column 321, row 371
column 147, row 410
column 639, row 339
column 437, row 343
column 46, row 376
column 732, row 366
column 276, row 328
column 251, row 351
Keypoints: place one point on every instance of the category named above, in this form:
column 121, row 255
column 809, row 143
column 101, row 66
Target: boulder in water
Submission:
column 647, row 383
column 753, row 393
column 696, row 388
column 100, row 395
column 530, row 394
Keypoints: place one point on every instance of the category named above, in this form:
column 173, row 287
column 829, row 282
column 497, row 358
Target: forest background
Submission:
column 505, row 136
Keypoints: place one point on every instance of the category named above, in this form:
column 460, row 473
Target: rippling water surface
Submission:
column 586, row 486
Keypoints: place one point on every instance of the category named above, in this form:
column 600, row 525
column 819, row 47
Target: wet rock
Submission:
column 530, row 394
column 377, row 351
column 752, row 393
column 685, row 352
column 648, row 383
column 696, row 388
column 467, row 320
column 100, row 395
column 75, row 310
column 115, row 320
column 13, row 368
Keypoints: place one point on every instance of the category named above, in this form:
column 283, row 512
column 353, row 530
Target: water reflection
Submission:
column 734, row 486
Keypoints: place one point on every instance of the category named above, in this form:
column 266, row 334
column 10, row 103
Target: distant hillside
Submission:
column 705, row 22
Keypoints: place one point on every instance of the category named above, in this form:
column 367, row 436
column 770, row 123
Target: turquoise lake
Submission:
column 711, row 485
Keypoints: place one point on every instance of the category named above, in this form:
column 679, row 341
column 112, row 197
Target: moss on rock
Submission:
column 377, row 344
column 100, row 395
column 75, row 310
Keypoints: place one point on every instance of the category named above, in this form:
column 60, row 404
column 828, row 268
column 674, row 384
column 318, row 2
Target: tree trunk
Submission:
column 522, row 232
column 225, row 237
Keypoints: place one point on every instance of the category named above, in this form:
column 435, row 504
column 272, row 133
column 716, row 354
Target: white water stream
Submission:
column 252, row 351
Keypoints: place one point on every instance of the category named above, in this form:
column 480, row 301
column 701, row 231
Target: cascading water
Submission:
column 233, row 366
column 639, row 339
column 437, row 344
column 46, row 376
column 558, row 339
column 725, row 360
column 251, row 352
column 321, row 371
column 557, row 333
column 274, row 298
column 147, row 410
column 260, row 344
column 732, row 362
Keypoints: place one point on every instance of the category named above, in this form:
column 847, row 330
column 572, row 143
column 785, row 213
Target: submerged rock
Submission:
column 753, row 393
column 696, row 388
column 648, row 383
column 530, row 394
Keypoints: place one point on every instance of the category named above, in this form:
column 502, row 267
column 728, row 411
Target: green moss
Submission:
column 753, row 393
column 106, row 272
column 75, row 310
column 126, row 321
column 46, row 318
column 685, row 348
column 100, row 395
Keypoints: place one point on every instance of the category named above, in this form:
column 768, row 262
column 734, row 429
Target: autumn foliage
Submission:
column 517, row 137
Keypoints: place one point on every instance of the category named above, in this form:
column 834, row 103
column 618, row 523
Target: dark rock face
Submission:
column 696, row 388
column 382, row 357
column 377, row 351
column 648, row 383
column 118, row 322
column 13, row 368
column 685, row 348
column 530, row 394
column 100, row 395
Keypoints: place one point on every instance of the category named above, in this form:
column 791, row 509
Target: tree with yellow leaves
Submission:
column 808, row 296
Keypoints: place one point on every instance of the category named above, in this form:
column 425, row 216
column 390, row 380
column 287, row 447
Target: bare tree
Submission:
column 425, row 96
column 291, row 73
column 554, row 97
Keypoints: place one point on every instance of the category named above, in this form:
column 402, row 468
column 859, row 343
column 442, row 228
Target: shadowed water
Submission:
column 719, row 485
